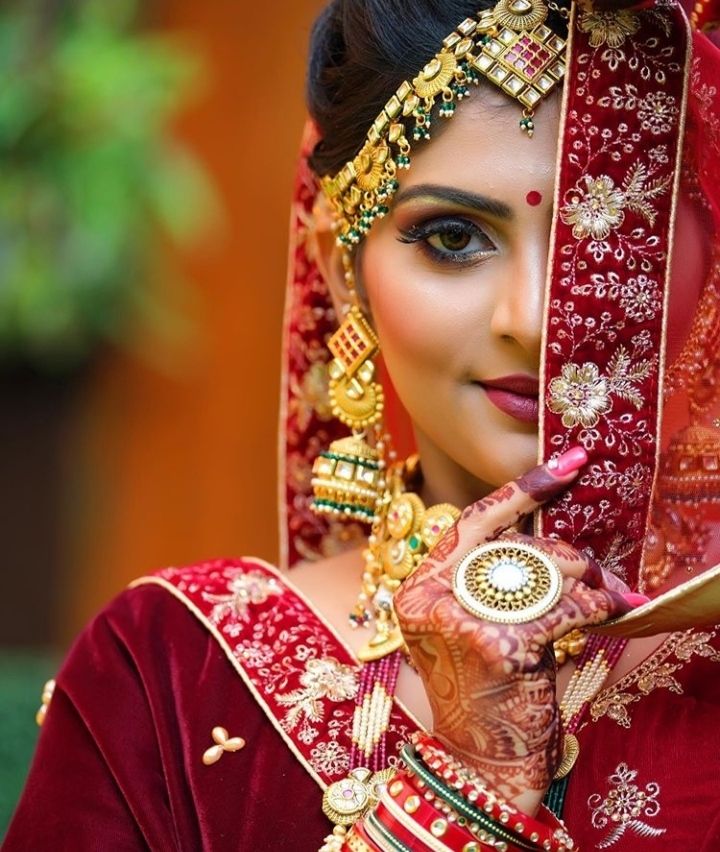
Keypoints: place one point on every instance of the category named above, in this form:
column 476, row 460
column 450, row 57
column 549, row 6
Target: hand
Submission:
column 491, row 686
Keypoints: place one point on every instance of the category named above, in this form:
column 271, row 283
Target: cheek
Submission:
column 424, row 321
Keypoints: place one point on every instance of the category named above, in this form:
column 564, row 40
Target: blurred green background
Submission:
column 91, row 179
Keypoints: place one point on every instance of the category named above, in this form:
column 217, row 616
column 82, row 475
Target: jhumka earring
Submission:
column 357, row 478
column 347, row 478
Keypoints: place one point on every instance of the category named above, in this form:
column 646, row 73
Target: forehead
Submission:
column 483, row 148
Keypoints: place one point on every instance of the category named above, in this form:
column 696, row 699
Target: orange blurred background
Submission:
column 179, row 464
column 168, row 454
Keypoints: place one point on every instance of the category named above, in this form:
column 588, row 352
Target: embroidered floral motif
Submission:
column 639, row 295
column 611, row 27
column 626, row 807
column 301, row 675
column 596, row 210
column 580, row 394
column 630, row 484
column 245, row 589
column 657, row 112
column 640, row 298
column 325, row 678
column 330, row 757
column 657, row 672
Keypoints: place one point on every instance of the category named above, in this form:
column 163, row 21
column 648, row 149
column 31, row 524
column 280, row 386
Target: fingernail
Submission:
column 568, row 462
column 635, row 600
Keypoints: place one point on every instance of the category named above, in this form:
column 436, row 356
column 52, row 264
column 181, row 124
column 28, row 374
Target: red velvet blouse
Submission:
column 119, row 765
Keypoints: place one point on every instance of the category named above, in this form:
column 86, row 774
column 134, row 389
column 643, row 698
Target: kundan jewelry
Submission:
column 512, row 46
column 507, row 582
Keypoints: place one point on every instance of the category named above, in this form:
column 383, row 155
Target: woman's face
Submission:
column 455, row 277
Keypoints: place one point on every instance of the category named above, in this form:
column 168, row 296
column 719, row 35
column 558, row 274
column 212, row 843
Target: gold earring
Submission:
column 347, row 478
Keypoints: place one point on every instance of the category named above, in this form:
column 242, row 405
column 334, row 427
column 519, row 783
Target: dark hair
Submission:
column 360, row 52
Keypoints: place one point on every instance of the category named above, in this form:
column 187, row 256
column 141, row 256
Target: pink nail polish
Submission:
column 568, row 462
column 636, row 600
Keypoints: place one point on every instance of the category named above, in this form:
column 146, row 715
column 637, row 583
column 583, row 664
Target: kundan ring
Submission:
column 508, row 582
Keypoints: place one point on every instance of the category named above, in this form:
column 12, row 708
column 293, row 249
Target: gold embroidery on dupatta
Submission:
column 657, row 672
column 323, row 678
column 624, row 807
column 609, row 27
column 582, row 394
column 244, row 588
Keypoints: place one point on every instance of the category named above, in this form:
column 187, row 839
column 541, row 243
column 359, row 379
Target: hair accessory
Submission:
column 507, row 582
column 509, row 45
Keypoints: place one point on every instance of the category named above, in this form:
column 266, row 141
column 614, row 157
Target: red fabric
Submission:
column 119, row 761
column 612, row 241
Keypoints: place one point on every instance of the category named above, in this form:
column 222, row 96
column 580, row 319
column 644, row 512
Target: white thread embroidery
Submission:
column 625, row 807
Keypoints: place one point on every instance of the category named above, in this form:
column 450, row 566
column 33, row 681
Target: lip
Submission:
column 517, row 396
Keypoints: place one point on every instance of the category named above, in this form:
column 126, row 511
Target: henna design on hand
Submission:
column 491, row 686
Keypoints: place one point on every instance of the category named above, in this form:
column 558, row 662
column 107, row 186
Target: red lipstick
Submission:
column 516, row 396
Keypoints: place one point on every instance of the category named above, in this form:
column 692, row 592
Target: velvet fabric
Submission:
column 119, row 768
column 119, row 762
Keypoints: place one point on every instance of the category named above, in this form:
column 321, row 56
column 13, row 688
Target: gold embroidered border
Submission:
column 656, row 672
column 570, row 47
column 662, row 367
column 273, row 570
column 202, row 618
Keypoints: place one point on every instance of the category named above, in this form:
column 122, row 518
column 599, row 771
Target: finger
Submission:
column 581, row 606
column 571, row 562
column 488, row 518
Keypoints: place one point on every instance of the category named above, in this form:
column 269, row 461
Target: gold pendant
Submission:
column 571, row 752
column 345, row 801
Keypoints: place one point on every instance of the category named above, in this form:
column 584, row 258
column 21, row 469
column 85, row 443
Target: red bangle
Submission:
column 442, row 826
column 552, row 837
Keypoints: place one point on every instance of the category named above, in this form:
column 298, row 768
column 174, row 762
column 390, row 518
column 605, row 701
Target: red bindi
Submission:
column 533, row 198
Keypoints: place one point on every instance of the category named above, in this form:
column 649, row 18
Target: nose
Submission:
column 517, row 317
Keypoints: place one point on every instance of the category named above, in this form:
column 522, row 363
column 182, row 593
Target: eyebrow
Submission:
column 461, row 197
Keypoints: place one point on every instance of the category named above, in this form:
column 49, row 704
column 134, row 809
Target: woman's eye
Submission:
column 450, row 240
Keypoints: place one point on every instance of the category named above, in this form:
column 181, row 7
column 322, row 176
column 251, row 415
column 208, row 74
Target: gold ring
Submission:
column 508, row 582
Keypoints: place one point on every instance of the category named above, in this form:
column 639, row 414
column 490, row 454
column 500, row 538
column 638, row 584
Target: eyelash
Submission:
column 455, row 226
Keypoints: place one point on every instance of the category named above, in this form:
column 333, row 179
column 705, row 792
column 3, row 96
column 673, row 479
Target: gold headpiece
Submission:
column 510, row 45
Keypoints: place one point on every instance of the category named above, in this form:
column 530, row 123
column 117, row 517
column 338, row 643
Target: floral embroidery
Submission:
column 245, row 589
column 301, row 675
column 638, row 296
column 330, row 757
column 657, row 672
column 325, row 678
column 608, row 27
column 625, row 808
column 630, row 484
column 595, row 211
column 580, row 394
column 657, row 112
column 600, row 207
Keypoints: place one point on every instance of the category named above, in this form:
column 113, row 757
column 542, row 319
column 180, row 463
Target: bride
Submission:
column 503, row 253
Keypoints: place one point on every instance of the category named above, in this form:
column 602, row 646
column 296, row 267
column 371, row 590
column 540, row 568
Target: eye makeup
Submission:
column 449, row 240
